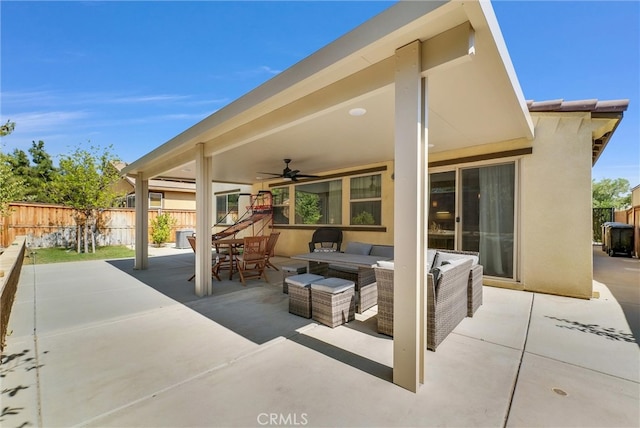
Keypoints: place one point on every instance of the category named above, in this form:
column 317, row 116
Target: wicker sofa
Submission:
column 365, row 280
column 474, row 290
column 446, row 299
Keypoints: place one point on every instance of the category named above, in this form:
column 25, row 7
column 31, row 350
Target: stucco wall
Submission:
column 556, row 252
column 179, row 201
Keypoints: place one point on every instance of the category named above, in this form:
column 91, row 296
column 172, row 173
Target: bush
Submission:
column 161, row 228
column 363, row 218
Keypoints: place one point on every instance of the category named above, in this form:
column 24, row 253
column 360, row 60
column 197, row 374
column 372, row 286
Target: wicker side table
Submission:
column 333, row 301
column 290, row 269
column 300, row 293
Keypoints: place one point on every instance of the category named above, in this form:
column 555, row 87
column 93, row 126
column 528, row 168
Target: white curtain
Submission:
column 496, row 219
column 335, row 202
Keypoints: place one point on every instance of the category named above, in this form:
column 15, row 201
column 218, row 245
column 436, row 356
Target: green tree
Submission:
column 36, row 177
column 611, row 193
column 7, row 128
column 308, row 207
column 86, row 182
column 10, row 186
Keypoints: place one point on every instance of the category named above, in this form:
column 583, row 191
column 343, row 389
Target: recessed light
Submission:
column 358, row 111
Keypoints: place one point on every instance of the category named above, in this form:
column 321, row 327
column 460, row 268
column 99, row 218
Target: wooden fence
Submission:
column 47, row 225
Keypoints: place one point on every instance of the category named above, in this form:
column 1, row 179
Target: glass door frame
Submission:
column 459, row 220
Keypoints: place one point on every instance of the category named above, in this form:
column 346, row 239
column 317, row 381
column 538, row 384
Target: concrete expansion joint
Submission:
column 522, row 352
column 546, row 357
column 479, row 339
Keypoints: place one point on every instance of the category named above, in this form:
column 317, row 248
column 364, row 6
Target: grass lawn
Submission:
column 59, row 255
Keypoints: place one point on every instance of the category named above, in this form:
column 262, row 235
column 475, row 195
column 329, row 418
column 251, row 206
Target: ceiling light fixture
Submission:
column 358, row 111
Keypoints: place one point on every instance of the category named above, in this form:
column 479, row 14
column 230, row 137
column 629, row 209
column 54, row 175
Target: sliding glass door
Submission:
column 442, row 210
column 473, row 209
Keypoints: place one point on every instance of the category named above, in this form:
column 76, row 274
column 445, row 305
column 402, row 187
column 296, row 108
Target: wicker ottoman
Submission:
column 300, row 293
column 290, row 270
column 333, row 301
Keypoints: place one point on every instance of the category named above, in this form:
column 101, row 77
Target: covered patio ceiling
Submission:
column 303, row 113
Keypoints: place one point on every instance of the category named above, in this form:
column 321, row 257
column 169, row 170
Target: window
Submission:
column 280, row 205
column 319, row 203
column 366, row 200
column 155, row 200
column 131, row 201
column 227, row 208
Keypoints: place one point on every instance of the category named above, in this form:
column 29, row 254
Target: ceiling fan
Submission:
column 288, row 173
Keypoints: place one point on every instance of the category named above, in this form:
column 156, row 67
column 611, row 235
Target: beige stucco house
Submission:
column 420, row 136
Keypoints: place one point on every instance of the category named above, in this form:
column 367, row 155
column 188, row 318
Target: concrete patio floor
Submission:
column 99, row 344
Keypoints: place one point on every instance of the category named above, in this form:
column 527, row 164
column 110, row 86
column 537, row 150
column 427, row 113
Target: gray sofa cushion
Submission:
column 431, row 257
column 443, row 255
column 386, row 264
column 303, row 280
column 382, row 251
column 332, row 285
column 358, row 248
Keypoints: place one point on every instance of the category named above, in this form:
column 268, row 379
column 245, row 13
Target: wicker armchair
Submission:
column 474, row 291
column 446, row 300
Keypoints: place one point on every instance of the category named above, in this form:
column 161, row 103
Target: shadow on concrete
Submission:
column 606, row 332
column 9, row 363
column 621, row 275
column 257, row 311
column 354, row 360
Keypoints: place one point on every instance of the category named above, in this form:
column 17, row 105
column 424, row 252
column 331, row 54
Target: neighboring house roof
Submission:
column 611, row 111
column 593, row 106
column 168, row 185
column 160, row 185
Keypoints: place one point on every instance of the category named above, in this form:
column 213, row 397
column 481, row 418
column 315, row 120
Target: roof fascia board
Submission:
column 489, row 17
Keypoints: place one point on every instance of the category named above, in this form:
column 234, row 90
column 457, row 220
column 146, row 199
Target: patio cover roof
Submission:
column 473, row 97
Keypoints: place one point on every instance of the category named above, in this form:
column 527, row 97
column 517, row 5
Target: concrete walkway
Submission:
column 99, row 344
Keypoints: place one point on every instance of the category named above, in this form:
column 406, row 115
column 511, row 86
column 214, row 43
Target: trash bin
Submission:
column 181, row 238
column 618, row 238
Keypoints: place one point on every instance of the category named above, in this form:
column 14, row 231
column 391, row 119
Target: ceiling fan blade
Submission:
column 271, row 173
column 306, row 176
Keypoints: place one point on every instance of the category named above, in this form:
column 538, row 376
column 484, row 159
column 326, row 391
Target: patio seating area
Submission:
column 139, row 348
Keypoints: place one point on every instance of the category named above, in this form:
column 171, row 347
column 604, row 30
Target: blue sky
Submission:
column 135, row 74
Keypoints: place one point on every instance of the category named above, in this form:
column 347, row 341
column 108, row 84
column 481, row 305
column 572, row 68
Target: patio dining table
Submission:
column 320, row 260
column 232, row 246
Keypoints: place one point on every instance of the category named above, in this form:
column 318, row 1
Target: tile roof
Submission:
column 594, row 106
column 613, row 107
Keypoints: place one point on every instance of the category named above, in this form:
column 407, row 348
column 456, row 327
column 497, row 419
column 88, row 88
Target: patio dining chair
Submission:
column 252, row 262
column 271, row 245
column 217, row 259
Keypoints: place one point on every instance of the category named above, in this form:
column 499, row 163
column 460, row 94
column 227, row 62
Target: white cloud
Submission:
column 145, row 98
column 44, row 121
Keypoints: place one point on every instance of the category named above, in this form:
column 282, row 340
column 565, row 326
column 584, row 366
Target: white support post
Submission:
column 409, row 341
column 142, row 222
column 204, row 210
